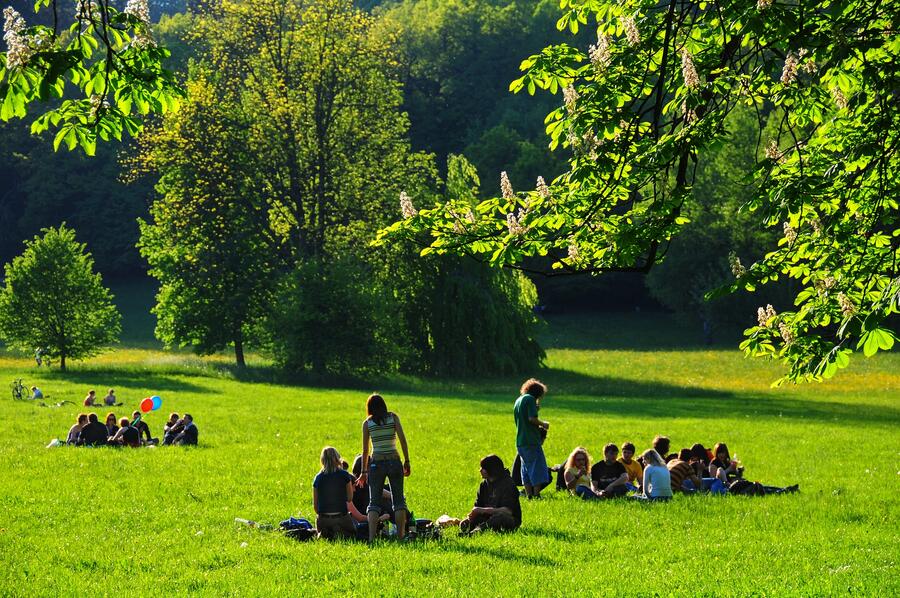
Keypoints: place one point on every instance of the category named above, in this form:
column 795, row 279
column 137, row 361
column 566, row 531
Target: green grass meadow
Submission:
column 79, row 522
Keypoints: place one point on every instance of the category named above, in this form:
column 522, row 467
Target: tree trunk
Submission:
column 239, row 350
column 62, row 361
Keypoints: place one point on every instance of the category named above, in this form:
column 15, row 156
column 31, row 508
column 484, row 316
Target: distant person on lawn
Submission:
column 75, row 430
column 94, row 433
column 528, row 437
column 634, row 469
column 143, row 428
column 332, row 491
column 497, row 505
column 383, row 428
column 576, row 473
column 608, row 477
column 189, row 434
column 36, row 393
column 682, row 473
column 111, row 427
column 91, row 398
column 172, row 428
column 657, row 483
column 110, row 399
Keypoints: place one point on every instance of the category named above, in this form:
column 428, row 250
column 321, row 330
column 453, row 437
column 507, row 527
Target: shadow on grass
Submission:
column 472, row 547
column 124, row 380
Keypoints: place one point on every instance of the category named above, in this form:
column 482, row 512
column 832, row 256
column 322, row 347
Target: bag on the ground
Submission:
column 746, row 488
column 293, row 523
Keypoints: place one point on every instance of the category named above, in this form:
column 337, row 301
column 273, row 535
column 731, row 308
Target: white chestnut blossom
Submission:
column 789, row 72
column 631, row 30
column 542, row 188
column 18, row 51
column 570, row 97
column 599, row 54
column 689, row 71
column 407, row 209
column 506, row 187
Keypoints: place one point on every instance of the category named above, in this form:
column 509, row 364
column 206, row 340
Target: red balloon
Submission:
column 147, row 405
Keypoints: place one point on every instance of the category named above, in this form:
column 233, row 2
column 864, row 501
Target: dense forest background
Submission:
column 458, row 59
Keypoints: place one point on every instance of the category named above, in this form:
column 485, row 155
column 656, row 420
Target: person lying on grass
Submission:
column 657, row 482
column 608, row 477
column 384, row 429
column 497, row 505
column 332, row 492
column 94, row 433
column 722, row 466
column 575, row 474
column 75, row 430
column 634, row 469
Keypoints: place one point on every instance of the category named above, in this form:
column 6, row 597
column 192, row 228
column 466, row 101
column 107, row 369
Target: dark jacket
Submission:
column 93, row 434
column 188, row 435
column 501, row 492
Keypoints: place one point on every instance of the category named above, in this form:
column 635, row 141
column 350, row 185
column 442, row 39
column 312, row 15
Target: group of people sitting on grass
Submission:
column 655, row 475
column 110, row 400
column 88, row 431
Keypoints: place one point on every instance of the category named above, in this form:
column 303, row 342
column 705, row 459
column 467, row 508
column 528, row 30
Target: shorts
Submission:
column 534, row 465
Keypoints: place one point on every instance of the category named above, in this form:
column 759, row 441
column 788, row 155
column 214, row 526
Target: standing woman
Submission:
column 383, row 428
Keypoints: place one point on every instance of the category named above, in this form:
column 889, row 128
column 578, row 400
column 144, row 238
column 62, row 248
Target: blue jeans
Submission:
column 534, row 466
column 391, row 469
column 585, row 493
column 713, row 485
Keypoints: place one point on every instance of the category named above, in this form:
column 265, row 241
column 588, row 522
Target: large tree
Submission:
column 643, row 105
column 52, row 300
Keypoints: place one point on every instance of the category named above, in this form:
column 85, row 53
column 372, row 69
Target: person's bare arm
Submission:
column 364, row 472
column 571, row 480
column 619, row 481
column 539, row 422
column 403, row 446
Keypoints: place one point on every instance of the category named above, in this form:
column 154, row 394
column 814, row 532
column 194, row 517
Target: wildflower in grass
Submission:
column 506, row 187
column 789, row 72
column 599, row 54
column 542, row 188
column 840, row 100
column 790, row 233
column 631, row 30
column 689, row 71
column 570, row 97
column 18, row 52
column 407, row 209
column 737, row 268
column 847, row 307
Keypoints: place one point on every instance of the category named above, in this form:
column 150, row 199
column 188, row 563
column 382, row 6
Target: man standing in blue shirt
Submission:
column 528, row 437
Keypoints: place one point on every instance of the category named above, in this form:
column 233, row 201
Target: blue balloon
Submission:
column 157, row 402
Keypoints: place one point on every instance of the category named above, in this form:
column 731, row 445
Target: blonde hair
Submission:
column 570, row 462
column 651, row 457
column 330, row 459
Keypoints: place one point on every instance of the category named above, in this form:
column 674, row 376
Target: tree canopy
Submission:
column 52, row 300
column 643, row 105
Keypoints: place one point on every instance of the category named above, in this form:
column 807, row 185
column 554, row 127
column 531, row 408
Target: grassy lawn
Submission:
column 91, row 522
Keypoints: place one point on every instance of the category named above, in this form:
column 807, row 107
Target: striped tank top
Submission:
column 384, row 436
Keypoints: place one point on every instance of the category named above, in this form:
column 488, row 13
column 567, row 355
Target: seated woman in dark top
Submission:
column 126, row 435
column 497, row 503
column 111, row 427
column 332, row 491
column 722, row 466
column 172, row 428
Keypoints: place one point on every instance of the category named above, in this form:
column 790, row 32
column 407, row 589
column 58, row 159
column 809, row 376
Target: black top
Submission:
column 361, row 498
column 717, row 463
column 143, row 428
column 93, row 434
column 604, row 474
column 131, row 436
column 332, row 489
column 111, row 430
column 502, row 492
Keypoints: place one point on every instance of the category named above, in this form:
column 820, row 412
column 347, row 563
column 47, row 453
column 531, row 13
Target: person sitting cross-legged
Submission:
column 75, row 430
column 332, row 491
column 576, row 476
column 657, row 482
column 143, row 428
column 94, row 433
column 632, row 466
column 608, row 477
column 189, row 433
column 497, row 503
column 684, row 477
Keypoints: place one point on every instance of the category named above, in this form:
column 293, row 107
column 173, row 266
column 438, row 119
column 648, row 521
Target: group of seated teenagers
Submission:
column 88, row 431
column 110, row 400
column 657, row 474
